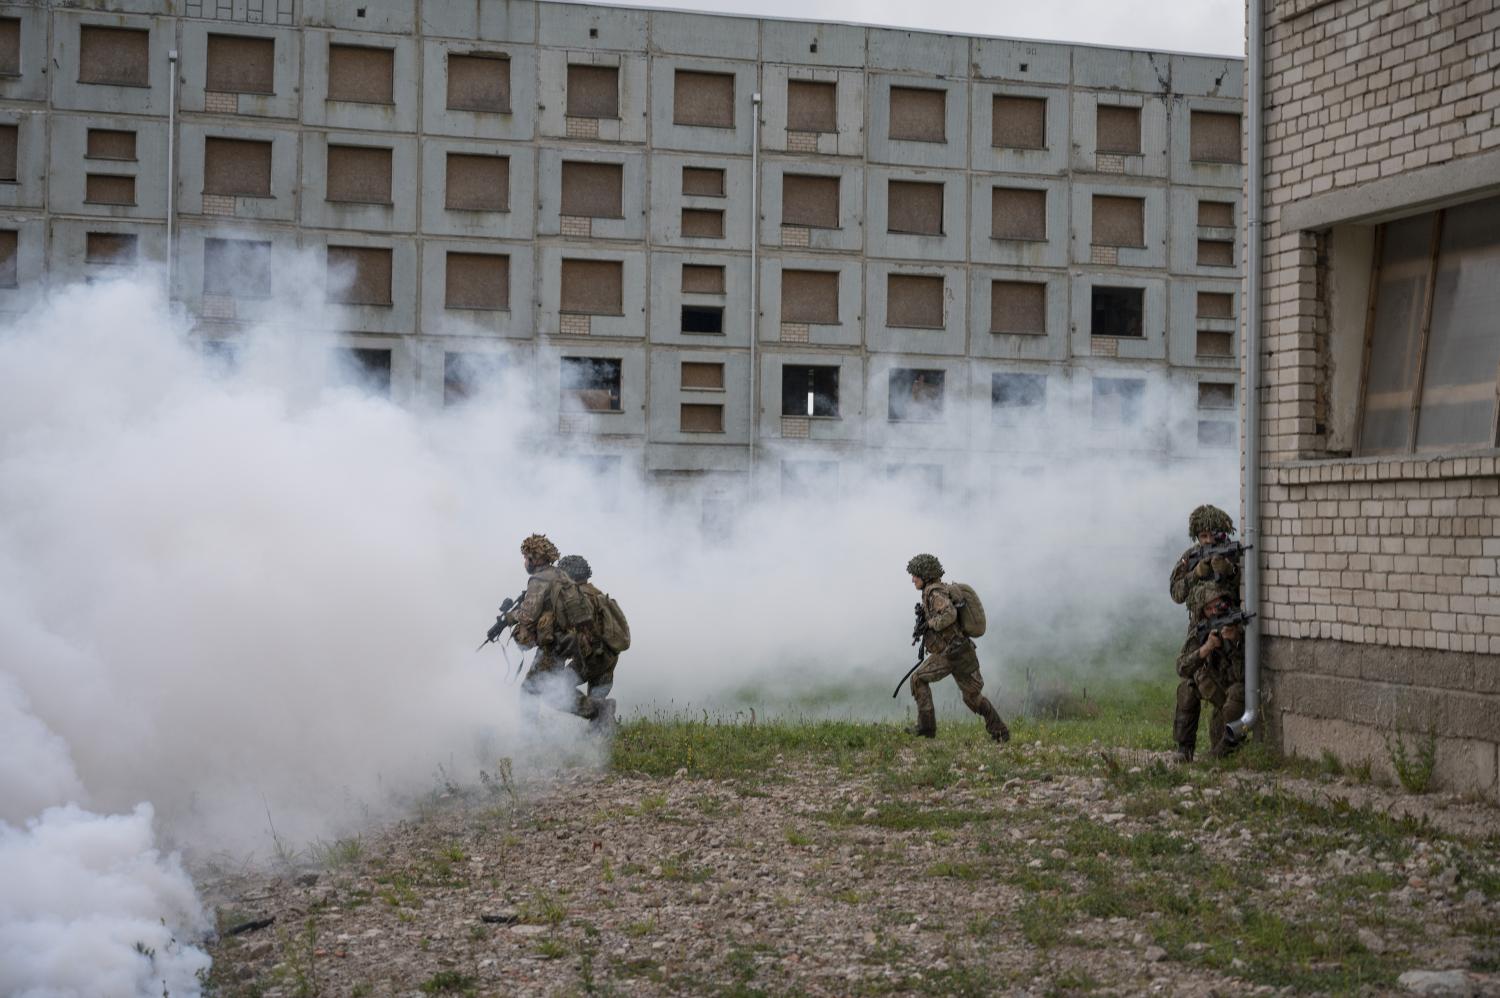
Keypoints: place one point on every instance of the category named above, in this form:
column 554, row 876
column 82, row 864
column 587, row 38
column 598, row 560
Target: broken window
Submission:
column 915, row 395
column 238, row 268
column 1214, row 343
column 702, row 181
column 1015, row 396
column 1018, row 307
column 1118, row 401
column 1215, row 137
column 914, row 301
column 9, row 238
column 367, row 368
column 1117, row 311
column 702, row 223
column 10, row 137
column 593, row 287
column 108, row 143
column 810, row 296
column 116, row 57
column 811, row 106
column 592, row 190
column 1118, row 130
column 478, row 82
column 591, row 384
column 1216, row 395
column 810, row 390
column 1019, row 123
column 1216, row 214
column 361, row 74
column 359, row 275
column 236, row 167
column 593, row 91
column 703, row 279
column 241, row 64
column 700, row 417
column 1119, row 221
column 466, row 375
column 914, row 207
column 918, row 114
column 1215, row 305
column 477, row 280
column 1018, row 213
column 703, row 99
column 108, row 188
column 1215, row 253
column 10, row 46
column 360, row 174
column 477, row 183
column 703, row 320
column 110, row 248
column 810, row 200
column 702, row 376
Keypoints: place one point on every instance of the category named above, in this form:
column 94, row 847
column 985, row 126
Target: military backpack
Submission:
column 614, row 629
column 570, row 605
column 970, row 609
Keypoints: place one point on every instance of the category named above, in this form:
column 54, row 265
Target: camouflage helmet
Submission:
column 1205, row 594
column 537, row 550
column 575, row 567
column 1209, row 520
column 925, row 567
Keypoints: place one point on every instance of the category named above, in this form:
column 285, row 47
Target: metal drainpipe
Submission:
column 171, row 167
column 754, row 282
column 1250, row 428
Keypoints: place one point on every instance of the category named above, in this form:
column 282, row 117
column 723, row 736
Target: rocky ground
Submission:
column 843, row 859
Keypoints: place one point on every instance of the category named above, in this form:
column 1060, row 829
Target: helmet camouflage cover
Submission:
column 1204, row 595
column 537, row 550
column 926, row 567
column 1209, row 520
column 575, row 567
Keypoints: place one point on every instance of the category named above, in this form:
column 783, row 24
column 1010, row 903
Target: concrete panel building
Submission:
column 1380, row 491
column 718, row 244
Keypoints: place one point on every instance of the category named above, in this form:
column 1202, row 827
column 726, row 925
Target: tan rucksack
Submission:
column 970, row 609
column 614, row 629
column 570, row 606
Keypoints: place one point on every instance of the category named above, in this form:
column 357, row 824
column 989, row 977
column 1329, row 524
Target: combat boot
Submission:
column 1184, row 753
column 994, row 724
column 926, row 726
column 603, row 721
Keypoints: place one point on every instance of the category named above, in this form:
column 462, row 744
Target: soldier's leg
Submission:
column 1185, row 719
column 554, row 680
column 933, row 668
column 971, row 687
column 1232, row 709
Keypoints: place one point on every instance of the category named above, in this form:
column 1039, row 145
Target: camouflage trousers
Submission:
column 959, row 661
column 551, row 672
column 1224, row 695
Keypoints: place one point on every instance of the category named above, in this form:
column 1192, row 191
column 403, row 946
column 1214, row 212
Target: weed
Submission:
column 639, row 929
column 551, row 949
column 1331, row 764
column 958, row 871
column 796, row 838
column 1413, row 770
column 339, row 852
column 447, row 982
column 543, row 909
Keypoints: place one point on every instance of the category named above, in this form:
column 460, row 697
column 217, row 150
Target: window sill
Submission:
column 113, row 204
column 476, row 308
column 908, row 232
column 910, row 138
column 815, row 419
column 1018, row 332
column 1117, row 152
column 590, row 117
column 1018, row 239
column 479, row 211
column 112, row 159
column 702, row 124
column 919, row 329
column 480, row 110
column 1120, row 246
column 367, row 204
column 605, row 315
column 1215, row 162
column 359, row 304
column 703, row 433
column 108, row 83
column 366, row 103
column 1117, row 336
column 1469, row 464
column 238, row 194
column 247, row 93
column 1020, row 148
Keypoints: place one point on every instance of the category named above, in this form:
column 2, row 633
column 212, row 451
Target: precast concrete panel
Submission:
column 516, row 321
column 1028, row 430
column 1122, row 69
column 925, row 52
column 1185, row 321
column 630, row 420
column 848, row 140
column 668, row 201
column 953, row 151
column 1022, row 62
column 1186, row 231
column 1152, row 256
column 668, row 297
column 31, row 84
column 399, row 317
column 847, row 332
column 668, row 396
column 31, row 262
column 666, row 134
column 1186, row 401
column 518, row 124
column 513, row 361
column 1049, row 345
column 280, row 205
column 67, row 249
column 1186, row 170
column 1049, row 252
column 713, row 35
column 987, row 157
column 553, row 119
column 1209, row 76
column 289, row 265
column 1150, row 162
column 947, row 429
column 514, row 223
column 284, row 102
column 631, row 226
column 400, row 215
column 28, row 189
column 69, row 166
column 635, row 287
column 848, row 237
column 318, row 109
column 952, row 244
column 1150, row 345
column 392, row 17
column 570, row 25
column 710, row 464
column 812, row 43
column 950, row 339
column 70, row 93
column 847, row 427
column 482, row 20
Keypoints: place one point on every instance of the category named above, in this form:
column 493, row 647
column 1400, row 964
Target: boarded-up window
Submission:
column 8, row 273
column 477, row 280
column 698, row 417
column 359, row 173
column 1118, row 130
column 702, row 223
column 10, row 136
column 702, row 279
column 241, row 64
column 106, row 143
column 1119, row 221
column 592, row 189
column 593, row 91
column 119, row 57
column 1117, row 311
column 1018, row 307
column 1013, row 395
column 809, row 390
column 705, row 99
column 593, row 287
column 1214, row 343
column 1019, row 123
column 702, row 181
column 914, row 301
column 914, row 207
column 809, row 200
column 239, row 268
column 359, row 275
column 477, row 183
column 918, row 115
column 1018, row 213
column 1216, row 395
column 1215, row 253
column 10, row 46
column 1118, row 401
column 1215, row 305
column 1216, row 214
column 811, row 106
column 479, row 83
column 1215, row 137
column 361, row 75
column 106, row 188
column 702, row 376
column 915, row 394
column 810, row 296
column 591, row 384
column 236, row 167
column 110, row 248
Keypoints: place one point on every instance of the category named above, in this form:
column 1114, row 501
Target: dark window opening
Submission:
column 369, row 369
column 915, row 395
column 1118, row 401
column 703, row 320
column 466, row 375
column 1012, row 395
column 591, row 384
column 1117, row 312
column 809, row 391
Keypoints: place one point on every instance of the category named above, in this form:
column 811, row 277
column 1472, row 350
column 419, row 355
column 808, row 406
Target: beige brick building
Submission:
column 1380, row 478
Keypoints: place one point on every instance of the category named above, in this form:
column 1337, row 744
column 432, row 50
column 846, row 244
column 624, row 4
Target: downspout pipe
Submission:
column 171, row 168
column 1250, row 427
column 754, row 412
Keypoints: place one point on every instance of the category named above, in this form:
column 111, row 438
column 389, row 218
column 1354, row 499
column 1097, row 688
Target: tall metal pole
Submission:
column 171, row 169
column 754, row 416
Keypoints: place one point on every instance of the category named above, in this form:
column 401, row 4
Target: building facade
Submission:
column 1380, row 473
column 919, row 243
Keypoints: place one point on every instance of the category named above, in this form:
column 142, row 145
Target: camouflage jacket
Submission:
column 534, row 616
column 942, row 618
column 1226, row 664
column 1184, row 582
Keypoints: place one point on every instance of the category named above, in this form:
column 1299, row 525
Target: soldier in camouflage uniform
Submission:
column 542, row 621
column 597, row 669
column 949, row 652
column 1212, row 669
column 1206, row 525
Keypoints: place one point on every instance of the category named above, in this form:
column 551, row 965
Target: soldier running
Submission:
column 949, row 651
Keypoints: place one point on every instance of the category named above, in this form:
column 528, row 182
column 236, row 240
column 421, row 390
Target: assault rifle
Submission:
column 1222, row 547
column 501, row 622
column 918, row 632
column 1237, row 617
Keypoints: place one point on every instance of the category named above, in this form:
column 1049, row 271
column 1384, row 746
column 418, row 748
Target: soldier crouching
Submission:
column 949, row 652
column 555, row 618
column 1211, row 667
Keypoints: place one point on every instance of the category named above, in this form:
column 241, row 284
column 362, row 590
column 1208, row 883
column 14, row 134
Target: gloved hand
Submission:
column 1203, row 570
column 1221, row 565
